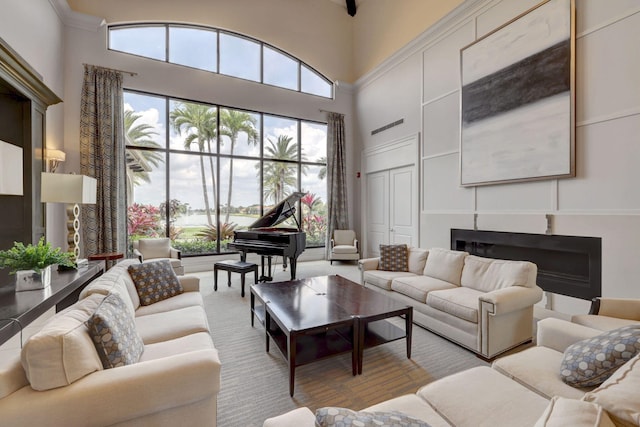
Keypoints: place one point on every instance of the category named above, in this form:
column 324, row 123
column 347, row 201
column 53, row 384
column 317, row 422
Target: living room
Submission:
column 391, row 63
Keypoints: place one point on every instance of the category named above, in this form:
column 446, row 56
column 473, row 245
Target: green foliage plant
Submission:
column 33, row 257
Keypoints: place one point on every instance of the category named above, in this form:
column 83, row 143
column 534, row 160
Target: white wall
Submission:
column 601, row 201
column 34, row 30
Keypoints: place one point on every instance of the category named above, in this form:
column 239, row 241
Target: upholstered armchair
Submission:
column 344, row 246
column 157, row 249
column 610, row 313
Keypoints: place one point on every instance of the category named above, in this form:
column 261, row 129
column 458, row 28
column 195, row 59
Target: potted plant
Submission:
column 32, row 263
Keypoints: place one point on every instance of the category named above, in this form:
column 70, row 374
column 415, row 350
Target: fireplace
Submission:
column 567, row 265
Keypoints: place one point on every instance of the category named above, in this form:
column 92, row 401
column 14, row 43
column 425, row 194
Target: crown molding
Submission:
column 458, row 16
column 75, row 19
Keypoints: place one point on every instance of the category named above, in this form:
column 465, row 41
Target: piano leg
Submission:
column 267, row 277
column 292, row 262
column 284, row 263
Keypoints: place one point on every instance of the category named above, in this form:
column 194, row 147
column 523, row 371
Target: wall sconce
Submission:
column 72, row 189
column 11, row 170
column 54, row 158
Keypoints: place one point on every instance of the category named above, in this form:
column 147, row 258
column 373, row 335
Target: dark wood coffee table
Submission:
column 315, row 318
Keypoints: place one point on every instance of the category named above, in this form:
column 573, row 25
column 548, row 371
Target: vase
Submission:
column 28, row 280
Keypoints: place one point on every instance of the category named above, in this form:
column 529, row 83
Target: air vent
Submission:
column 389, row 126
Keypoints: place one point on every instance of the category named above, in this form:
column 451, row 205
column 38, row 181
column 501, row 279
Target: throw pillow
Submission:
column 155, row 281
column 619, row 394
column 394, row 258
column 343, row 417
column 113, row 331
column 588, row 363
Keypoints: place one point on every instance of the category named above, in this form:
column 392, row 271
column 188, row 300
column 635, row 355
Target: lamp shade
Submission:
column 11, row 169
column 68, row 188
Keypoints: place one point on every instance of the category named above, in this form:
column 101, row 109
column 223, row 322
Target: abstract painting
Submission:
column 517, row 99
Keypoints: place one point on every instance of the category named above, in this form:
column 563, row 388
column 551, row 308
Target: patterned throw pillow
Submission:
column 588, row 363
column 394, row 258
column 113, row 331
column 155, row 281
column 342, row 417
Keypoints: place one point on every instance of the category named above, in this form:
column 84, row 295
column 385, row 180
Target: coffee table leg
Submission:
column 408, row 330
column 267, row 322
column 292, row 362
column 356, row 347
column 253, row 306
column 362, row 326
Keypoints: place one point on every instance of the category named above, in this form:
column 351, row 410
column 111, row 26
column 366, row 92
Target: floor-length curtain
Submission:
column 338, row 216
column 102, row 157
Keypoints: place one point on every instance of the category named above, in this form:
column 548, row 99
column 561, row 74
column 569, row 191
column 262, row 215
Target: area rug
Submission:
column 255, row 384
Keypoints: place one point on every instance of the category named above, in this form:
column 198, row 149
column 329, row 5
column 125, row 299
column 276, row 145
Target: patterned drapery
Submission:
column 338, row 216
column 102, row 157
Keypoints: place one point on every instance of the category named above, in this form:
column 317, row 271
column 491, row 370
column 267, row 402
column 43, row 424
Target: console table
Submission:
column 27, row 306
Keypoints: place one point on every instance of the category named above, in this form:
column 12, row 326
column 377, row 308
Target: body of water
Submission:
column 201, row 220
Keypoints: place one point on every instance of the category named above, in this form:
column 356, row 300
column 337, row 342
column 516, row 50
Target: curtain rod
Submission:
column 131, row 73
column 327, row 111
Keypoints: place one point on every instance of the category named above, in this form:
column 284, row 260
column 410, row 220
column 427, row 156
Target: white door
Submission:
column 403, row 210
column 377, row 211
column 391, row 209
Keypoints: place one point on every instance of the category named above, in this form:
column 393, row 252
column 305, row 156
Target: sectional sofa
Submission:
column 521, row 389
column 483, row 304
column 59, row 380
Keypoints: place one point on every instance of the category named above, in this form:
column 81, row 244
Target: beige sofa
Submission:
column 483, row 304
column 59, row 379
column 522, row 389
column 608, row 313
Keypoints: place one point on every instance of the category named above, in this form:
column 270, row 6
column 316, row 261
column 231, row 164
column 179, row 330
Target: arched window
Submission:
column 219, row 51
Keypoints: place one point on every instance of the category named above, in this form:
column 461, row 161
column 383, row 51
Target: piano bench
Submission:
column 232, row 266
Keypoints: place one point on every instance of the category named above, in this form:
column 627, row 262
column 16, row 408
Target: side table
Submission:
column 108, row 258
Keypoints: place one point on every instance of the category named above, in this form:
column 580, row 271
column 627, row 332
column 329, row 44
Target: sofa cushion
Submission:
column 591, row 361
column 417, row 259
column 535, row 369
column 114, row 333
column 417, row 287
column 486, row 274
column 445, row 265
column 563, row 412
column 413, row 406
column 116, row 279
column 382, row 279
column 459, row 302
column 394, row 258
column 62, row 351
column 483, row 396
column 344, row 249
column 185, row 299
column 171, row 324
column 619, row 394
column 155, row 281
column 343, row 417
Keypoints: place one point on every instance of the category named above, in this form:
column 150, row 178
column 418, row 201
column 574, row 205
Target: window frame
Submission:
column 218, row 31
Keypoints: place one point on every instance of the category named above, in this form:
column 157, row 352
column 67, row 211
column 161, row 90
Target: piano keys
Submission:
column 264, row 238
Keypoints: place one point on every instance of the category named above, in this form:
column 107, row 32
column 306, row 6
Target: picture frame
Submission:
column 517, row 99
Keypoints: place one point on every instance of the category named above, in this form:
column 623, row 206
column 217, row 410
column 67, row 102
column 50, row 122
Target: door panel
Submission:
column 377, row 211
column 403, row 209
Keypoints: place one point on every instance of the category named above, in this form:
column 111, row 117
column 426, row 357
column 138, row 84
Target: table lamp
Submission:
column 71, row 189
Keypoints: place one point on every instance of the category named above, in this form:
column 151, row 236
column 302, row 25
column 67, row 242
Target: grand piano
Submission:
column 265, row 239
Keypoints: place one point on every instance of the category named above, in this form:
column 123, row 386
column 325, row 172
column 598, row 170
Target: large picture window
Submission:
column 197, row 172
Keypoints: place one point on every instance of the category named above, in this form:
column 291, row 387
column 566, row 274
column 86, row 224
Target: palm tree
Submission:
column 322, row 173
column 139, row 162
column 232, row 123
column 199, row 123
column 279, row 177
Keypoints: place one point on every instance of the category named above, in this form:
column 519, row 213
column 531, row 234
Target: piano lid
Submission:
column 279, row 212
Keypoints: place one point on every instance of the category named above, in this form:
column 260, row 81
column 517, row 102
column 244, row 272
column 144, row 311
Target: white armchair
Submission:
column 157, row 249
column 609, row 313
column 344, row 246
